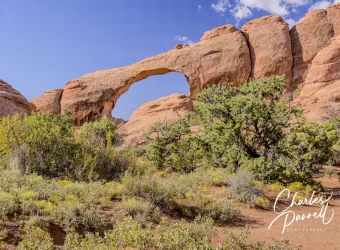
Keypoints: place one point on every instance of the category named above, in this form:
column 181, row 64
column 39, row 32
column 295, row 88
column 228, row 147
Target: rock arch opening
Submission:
column 148, row 89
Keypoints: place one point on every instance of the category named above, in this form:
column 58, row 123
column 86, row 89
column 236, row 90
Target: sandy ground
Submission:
column 311, row 233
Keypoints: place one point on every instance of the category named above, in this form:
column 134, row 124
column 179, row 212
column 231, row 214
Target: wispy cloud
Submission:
column 183, row 39
column 242, row 9
column 200, row 7
column 240, row 12
column 221, row 6
column 320, row 5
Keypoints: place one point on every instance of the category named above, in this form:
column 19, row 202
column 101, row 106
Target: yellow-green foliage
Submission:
column 296, row 187
column 185, row 236
column 36, row 239
column 262, row 202
column 276, row 187
column 8, row 204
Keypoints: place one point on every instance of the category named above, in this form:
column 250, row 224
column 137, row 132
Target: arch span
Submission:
column 225, row 56
column 148, row 90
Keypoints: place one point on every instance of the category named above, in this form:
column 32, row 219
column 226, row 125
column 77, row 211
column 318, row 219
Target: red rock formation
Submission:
column 12, row 102
column 166, row 110
column 320, row 94
column 333, row 14
column 270, row 47
column 308, row 37
column 49, row 102
column 306, row 55
column 207, row 62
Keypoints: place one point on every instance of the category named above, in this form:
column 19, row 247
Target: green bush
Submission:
column 36, row 239
column 141, row 211
column 171, row 150
column 129, row 233
column 43, row 144
column 185, row 236
column 8, row 204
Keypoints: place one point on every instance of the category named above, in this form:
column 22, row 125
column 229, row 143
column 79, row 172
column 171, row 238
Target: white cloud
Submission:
column 336, row 1
column 291, row 22
column 272, row 6
column 320, row 5
column 240, row 12
column 199, row 7
column 221, row 6
column 183, row 39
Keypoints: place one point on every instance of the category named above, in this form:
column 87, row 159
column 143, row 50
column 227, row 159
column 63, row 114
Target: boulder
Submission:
column 320, row 94
column 221, row 58
column 49, row 102
column 167, row 110
column 12, row 102
column 309, row 36
column 270, row 47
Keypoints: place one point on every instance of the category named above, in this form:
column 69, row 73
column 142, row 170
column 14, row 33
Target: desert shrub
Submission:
column 305, row 148
column 221, row 211
column 91, row 241
column 170, row 149
column 296, row 187
column 183, row 235
column 252, row 127
column 148, row 188
column 100, row 158
column 276, row 187
column 262, row 202
column 8, row 204
column 43, row 144
column 141, row 211
column 36, row 239
column 130, row 233
column 243, row 187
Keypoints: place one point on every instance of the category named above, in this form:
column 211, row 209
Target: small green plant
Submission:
column 129, row 233
column 36, row 239
column 185, row 236
column 262, row 202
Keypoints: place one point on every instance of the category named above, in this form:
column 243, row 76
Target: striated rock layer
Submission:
column 12, row 102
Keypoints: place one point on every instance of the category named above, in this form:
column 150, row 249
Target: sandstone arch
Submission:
column 225, row 56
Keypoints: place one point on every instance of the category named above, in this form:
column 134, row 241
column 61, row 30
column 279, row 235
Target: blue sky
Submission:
column 46, row 43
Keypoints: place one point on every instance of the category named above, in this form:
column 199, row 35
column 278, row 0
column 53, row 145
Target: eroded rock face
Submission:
column 166, row 110
column 12, row 102
column 320, row 94
column 49, row 102
column 333, row 13
column 308, row 37
column 222, row 57
column 219, row 31
column 270, row 47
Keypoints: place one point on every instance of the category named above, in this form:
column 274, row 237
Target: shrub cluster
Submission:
column 250, row 127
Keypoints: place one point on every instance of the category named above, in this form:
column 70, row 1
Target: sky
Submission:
column 45, row 44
